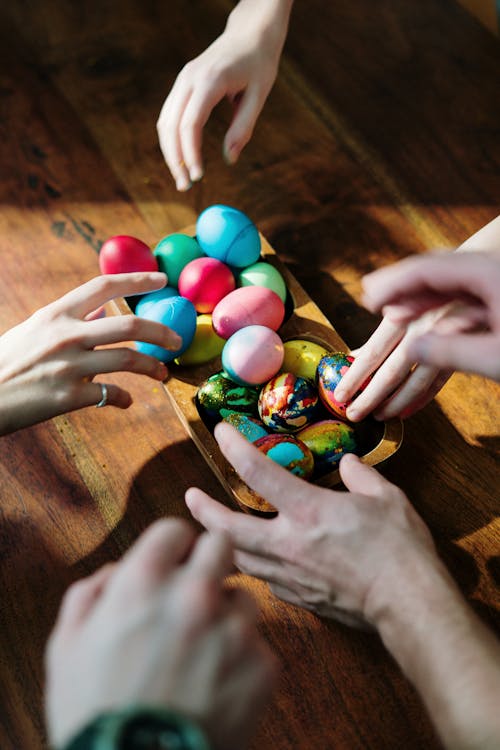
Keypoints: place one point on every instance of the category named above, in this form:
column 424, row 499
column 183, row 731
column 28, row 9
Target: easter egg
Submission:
column 174, row 252
column 151, row 297
column 219, row 396
column 287, row 403
column 249, row 427
column 252, row 305
column 205, row 281
column 252, row 355
column 124, row 254
column 289, row 452
column 302, row 357
column 205, row 346
column 328, row 441
column 331, row 368
column 263, row 274
column 178, row 314
column 225, row 233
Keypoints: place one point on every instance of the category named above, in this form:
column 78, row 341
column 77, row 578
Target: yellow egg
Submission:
column 302, row 357
column 205, row 346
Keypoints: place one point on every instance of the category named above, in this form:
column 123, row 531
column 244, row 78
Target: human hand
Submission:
column 47, row 362
column 160, row 629
column 241, row 65
column 433, row 308
column 338, row 554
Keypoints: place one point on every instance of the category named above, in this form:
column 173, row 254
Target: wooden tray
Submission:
column 306, row 321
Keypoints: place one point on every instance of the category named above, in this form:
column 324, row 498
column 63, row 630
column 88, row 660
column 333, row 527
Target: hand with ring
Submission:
column 48, row 362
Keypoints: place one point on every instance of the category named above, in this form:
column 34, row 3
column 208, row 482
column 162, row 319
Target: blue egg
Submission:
column 229, row 235
column 179, row 314
column 151, row 297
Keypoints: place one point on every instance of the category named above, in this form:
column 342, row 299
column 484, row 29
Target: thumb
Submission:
column 477, row 353
column 361, row 478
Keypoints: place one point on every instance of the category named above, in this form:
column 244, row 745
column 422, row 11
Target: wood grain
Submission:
column 380, row 139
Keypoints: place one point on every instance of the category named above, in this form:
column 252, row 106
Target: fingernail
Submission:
column 352, row 414
column 340, row 395
column 174, row 341
column 231, row 154
column 196, row 173
column 379, row 416
column 161, row 371
column 182, row 184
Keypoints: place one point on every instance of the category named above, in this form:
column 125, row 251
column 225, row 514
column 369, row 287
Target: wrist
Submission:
column 267, row 18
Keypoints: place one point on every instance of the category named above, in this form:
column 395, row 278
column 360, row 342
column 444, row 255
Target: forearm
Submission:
column 445, row 650
column 266, row 18
column 486, row 239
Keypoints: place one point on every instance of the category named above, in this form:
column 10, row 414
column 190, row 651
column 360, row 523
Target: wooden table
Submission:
column 380, row 139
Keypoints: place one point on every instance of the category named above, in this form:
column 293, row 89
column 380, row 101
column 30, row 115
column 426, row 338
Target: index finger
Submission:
column 88, row 297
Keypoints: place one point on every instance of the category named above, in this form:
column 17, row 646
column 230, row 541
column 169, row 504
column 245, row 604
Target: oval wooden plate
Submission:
column 379, row 440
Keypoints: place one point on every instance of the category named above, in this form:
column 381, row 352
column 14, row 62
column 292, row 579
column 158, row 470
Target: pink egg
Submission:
column 253, row 355
column 205, row 281
column 247, row 306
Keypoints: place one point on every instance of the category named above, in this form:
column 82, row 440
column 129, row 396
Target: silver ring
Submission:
column 104, row 399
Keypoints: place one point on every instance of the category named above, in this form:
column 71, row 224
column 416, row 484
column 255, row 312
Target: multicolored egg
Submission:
column 205, row 346
column 302, row 357
column 263, row 274
column 247, row 306
column 331, row 368
column 174, row 252
column 176, row 313
column 287, row 403
column 219, row 396
column 225, row 233
column 252, row 355
column 251, row 428
column 287, row 451
column 328, row 441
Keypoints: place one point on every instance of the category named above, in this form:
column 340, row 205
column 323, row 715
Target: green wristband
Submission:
column 140, row 728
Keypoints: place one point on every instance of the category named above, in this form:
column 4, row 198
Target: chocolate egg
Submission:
column 225, row 233
column 205, row 346
column 263, row 274
column 287, row 451
column 252, row 355
column 331, row 368
column 219, row 396
column 328, row 441
column 287, row 403
column 302, row 357
column 251, row 428
column 247, row 306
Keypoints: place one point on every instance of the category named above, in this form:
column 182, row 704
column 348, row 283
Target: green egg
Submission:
column 263, row 274
column 174, row 252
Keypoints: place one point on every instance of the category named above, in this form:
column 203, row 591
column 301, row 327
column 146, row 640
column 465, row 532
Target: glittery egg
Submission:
column 287, row 451
column 252, row 355
column 218, row 396
column 331, row 368
column 302, row 357
column 328, row 441
column 287, row 403
column 251, row 428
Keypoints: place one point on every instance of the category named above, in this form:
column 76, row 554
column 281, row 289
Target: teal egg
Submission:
column 219, row 396
column 328, row 441
column 226, row 233
column 149, row 299
column 289, row 452
column 174, row 252
column 176, row 313
column 263, row 274
column 249, row 427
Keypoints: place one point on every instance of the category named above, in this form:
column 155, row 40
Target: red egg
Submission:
column 205, row 281
column 124, row 254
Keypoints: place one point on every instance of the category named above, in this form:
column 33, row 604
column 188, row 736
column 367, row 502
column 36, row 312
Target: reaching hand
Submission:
column 241, row 65
column 338, row 554
column 160, row 629
column 47, row 362
column 441, row 312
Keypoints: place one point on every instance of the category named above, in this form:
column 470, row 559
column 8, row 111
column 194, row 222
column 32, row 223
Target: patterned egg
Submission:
column 252, row 355
column 328, row 441
column 225, row 233
column 218, row 396
column 302, row 357
column 247, row 306
column 287, row 451
column 205, row 346
column 330, row 371
column 263, row 274
column 251, row 428
column 287, row 403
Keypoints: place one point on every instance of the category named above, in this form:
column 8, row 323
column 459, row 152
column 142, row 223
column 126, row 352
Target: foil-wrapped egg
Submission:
column 218, row 396
column 251, row 428
column 331, row 369
column 287, row 402
column 328, row 441
column 287, row 451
